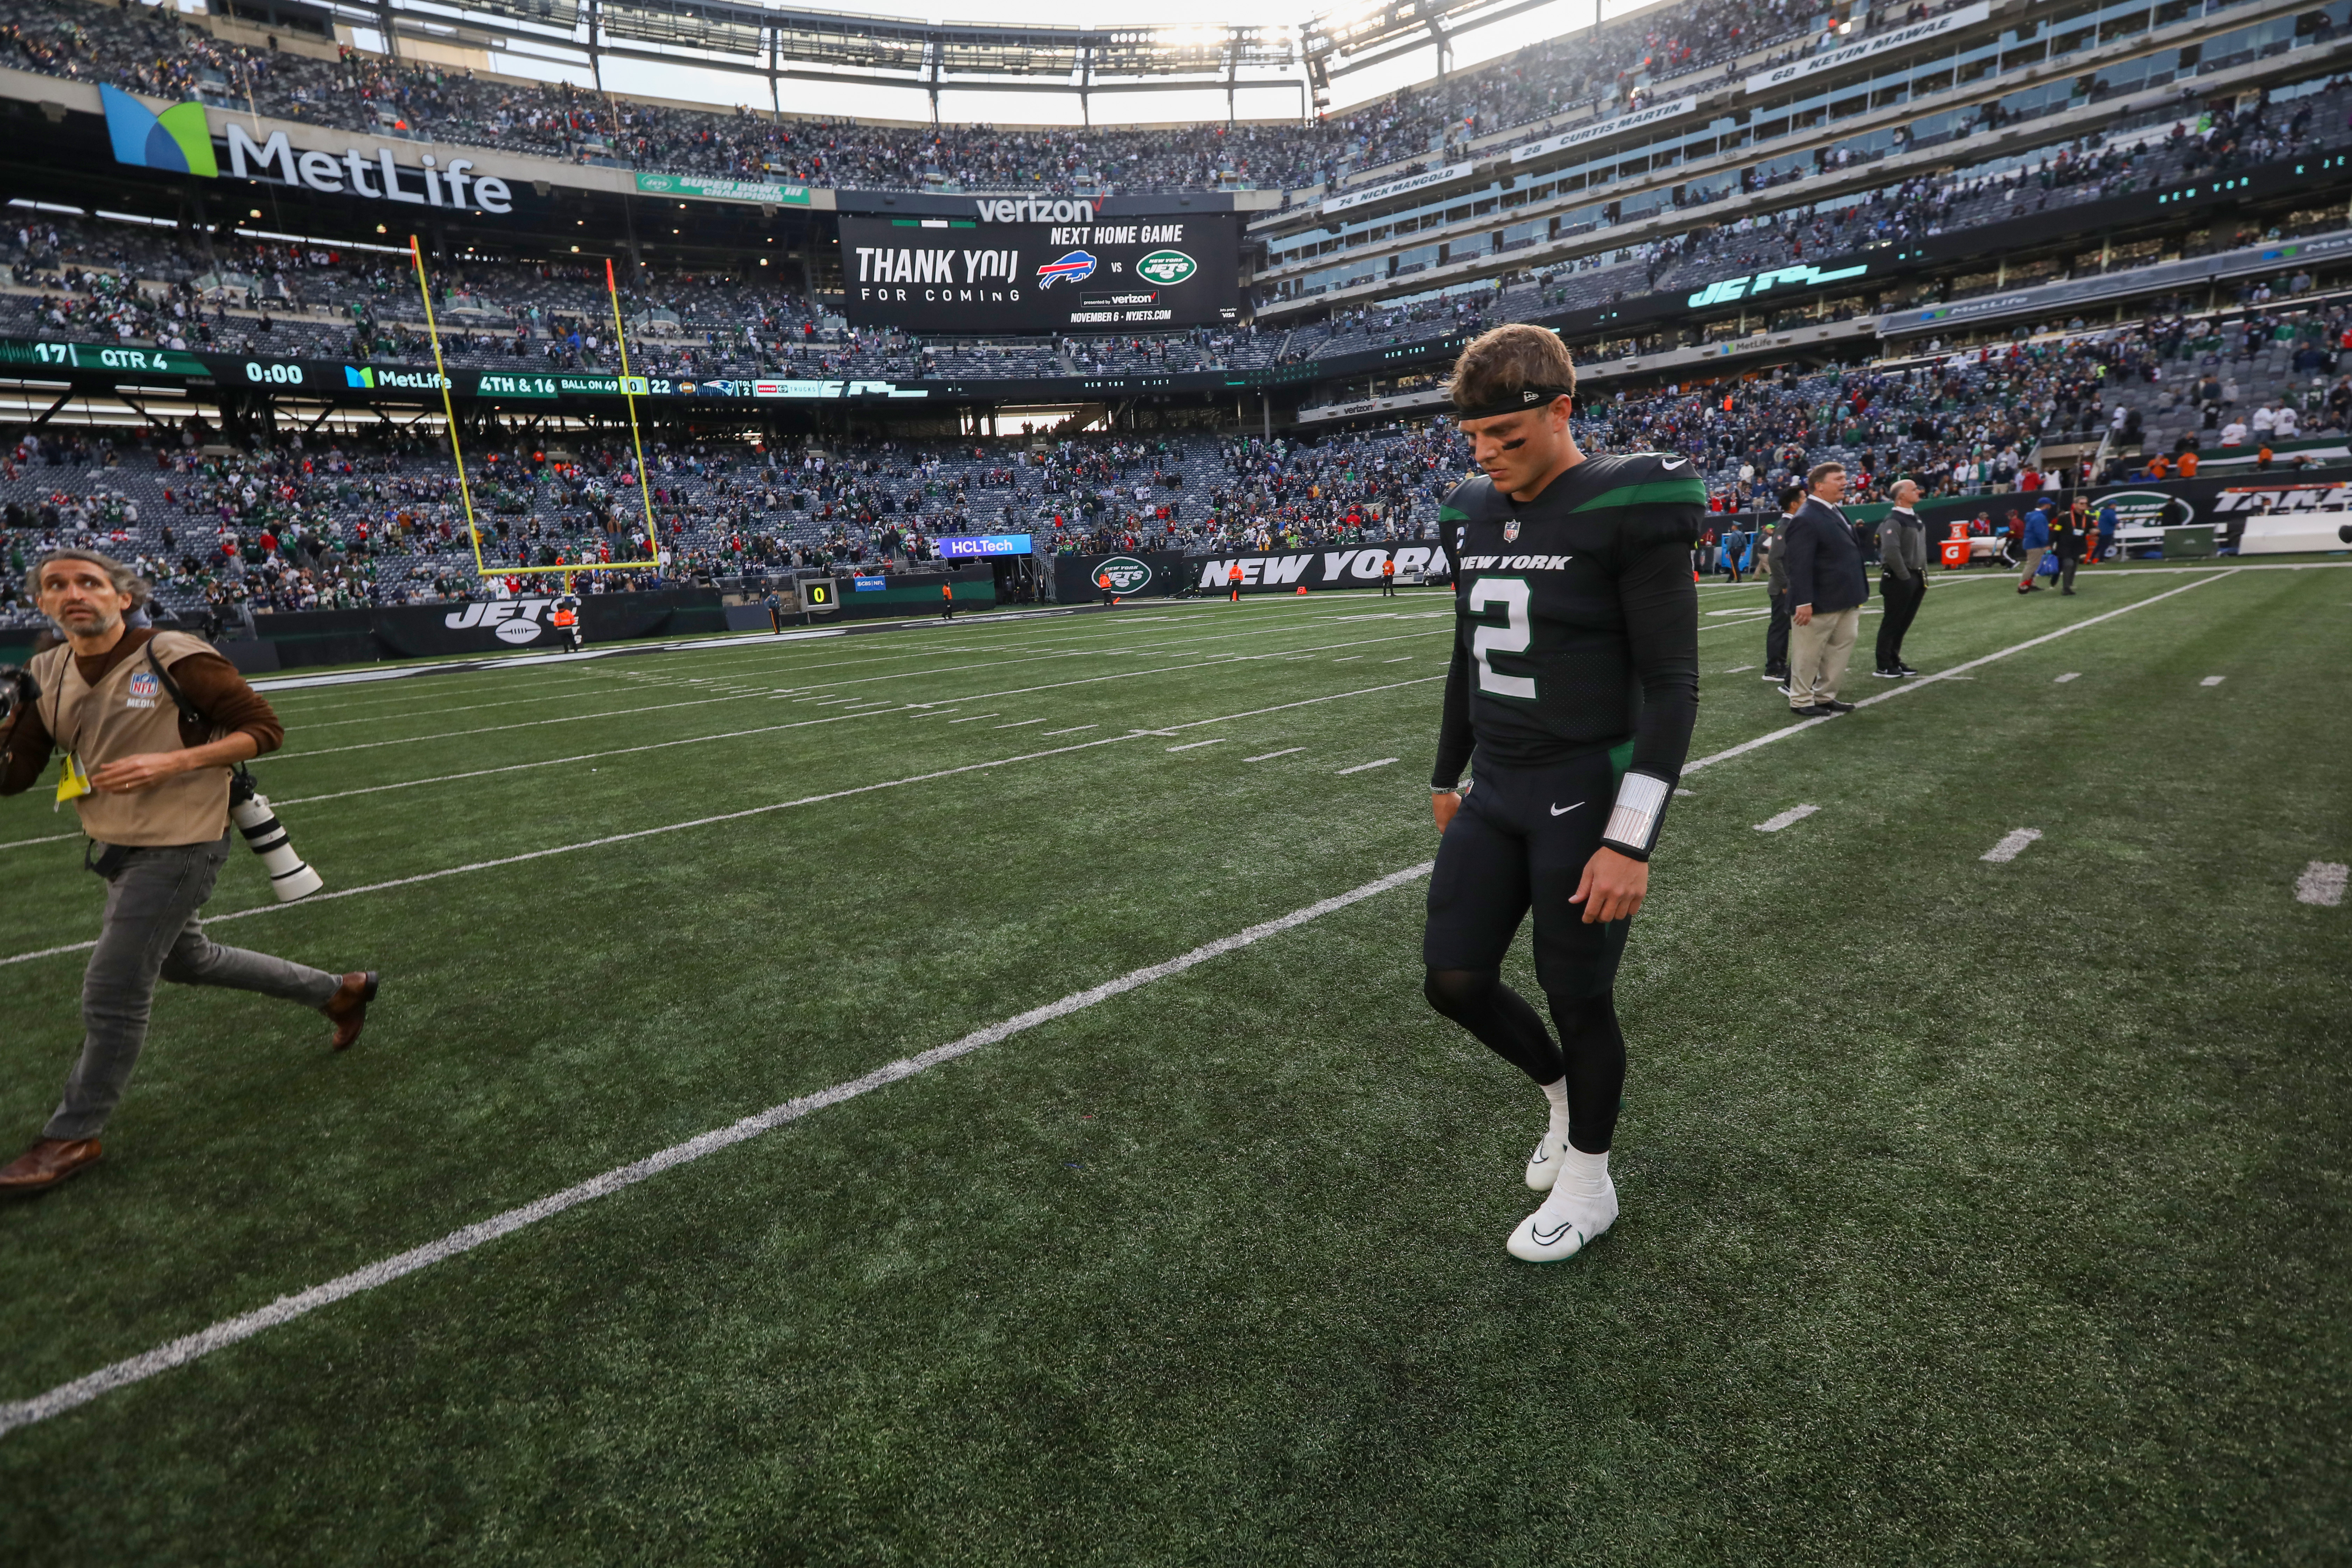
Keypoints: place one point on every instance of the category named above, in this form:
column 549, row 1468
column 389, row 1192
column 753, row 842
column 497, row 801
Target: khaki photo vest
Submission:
column 127, row 713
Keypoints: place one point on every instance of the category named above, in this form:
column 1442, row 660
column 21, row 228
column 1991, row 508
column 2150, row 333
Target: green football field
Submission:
column 1975, row 1211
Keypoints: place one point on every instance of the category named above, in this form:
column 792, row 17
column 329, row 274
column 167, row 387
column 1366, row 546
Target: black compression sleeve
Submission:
column 1453, row 737
column 1660, row 605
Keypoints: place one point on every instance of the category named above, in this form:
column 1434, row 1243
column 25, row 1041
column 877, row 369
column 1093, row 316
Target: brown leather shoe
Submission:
column 48, row 1162
column 348, row 1006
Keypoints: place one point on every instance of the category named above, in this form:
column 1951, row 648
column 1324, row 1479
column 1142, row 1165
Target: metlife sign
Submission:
column 1797, row 71
column 175, row 141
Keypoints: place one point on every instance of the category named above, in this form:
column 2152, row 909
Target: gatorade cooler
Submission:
column 1956, row 553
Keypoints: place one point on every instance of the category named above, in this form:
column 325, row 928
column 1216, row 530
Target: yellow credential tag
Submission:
column 71, row 783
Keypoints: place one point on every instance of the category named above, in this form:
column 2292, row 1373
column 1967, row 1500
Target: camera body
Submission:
column 18, row 690
column 290, row 877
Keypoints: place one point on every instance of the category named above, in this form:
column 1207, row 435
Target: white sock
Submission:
column 1583, row 1175
column 1556, row 1093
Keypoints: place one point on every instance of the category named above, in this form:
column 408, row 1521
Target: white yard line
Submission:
column 1787, row 818
column 1365, row 767
column 2322, row 883
column 180, row 1352
column 335, row 893
column 1923, row 682
column 2012, row 845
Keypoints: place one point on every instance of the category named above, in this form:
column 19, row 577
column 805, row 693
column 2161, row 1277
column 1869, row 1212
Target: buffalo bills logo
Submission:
column 146, row 685
column 1076, row 268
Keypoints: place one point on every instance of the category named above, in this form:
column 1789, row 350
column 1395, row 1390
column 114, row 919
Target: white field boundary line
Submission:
column 638, row 833
column 286, row 1309
column 494, row 664
column 1957, row 672
column 281, row 758
column 1095, row 643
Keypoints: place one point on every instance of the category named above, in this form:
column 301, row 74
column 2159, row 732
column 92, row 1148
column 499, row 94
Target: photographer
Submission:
column 150, row 723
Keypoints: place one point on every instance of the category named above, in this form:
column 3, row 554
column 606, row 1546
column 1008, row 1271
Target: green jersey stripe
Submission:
column 1685, row 491
column 1451, row 514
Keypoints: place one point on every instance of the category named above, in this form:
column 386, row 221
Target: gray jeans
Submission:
column 152, row 933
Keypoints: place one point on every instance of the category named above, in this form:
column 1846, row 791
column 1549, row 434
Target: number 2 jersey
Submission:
column 1576, row 621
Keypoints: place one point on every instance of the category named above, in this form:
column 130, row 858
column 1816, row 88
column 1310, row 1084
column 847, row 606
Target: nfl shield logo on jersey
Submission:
column 1511, row 530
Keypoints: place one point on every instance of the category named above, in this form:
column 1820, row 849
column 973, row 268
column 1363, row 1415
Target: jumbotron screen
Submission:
column 1106, row 275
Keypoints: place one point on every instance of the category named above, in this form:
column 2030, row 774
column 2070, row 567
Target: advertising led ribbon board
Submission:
column 1094, row 274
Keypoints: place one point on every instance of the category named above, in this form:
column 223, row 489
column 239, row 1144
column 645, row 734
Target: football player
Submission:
column 1573, row 688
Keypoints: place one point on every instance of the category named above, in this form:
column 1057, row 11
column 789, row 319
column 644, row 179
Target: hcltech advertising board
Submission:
column 1088, row 274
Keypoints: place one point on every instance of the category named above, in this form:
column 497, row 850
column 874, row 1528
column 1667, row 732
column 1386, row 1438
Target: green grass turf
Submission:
column 1973, row 1213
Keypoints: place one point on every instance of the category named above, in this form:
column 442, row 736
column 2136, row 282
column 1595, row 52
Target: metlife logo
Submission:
column 376, row 177
column 177, row 141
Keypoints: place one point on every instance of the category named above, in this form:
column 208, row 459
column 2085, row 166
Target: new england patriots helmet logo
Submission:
column 1076, row 267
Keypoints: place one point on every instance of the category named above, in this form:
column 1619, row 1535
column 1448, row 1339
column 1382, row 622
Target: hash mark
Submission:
column 1787, row 818
column 2012, row 845
column 2322, row 882
column 2070, row 675
column 1196, row 745
column 2213, row 680
column 1266, row 757
column 1366, row 767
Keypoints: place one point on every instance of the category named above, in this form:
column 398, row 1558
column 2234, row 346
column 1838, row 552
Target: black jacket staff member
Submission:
column 1574, row 685
column 157, row 813
column 1826, row 588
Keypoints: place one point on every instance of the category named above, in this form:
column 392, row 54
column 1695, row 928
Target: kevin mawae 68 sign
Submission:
column 1099, row 275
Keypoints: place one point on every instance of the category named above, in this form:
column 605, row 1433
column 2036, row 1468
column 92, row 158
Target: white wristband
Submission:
column 1641, row 808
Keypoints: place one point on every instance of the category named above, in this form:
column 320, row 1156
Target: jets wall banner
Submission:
column 1079, row 577
column 1091, row 275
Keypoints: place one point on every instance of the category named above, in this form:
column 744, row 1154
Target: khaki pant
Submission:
column 1817, row 653
column 2034, row 562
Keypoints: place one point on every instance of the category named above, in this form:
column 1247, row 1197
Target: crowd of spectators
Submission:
column 152, row 50
column 281, row 524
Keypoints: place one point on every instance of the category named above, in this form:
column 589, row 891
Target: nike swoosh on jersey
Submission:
column 1670, row 462
column 1564, row 810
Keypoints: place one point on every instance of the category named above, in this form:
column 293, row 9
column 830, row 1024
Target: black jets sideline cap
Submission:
column 1526, row 397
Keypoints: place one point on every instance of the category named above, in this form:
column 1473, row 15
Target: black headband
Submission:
column 1515, row 403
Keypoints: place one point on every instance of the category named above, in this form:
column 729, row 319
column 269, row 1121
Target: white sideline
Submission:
column 739, row 815
column 286, row 1309
column 1956, row 673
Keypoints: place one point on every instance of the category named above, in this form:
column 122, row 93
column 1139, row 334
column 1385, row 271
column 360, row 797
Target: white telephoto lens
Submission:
column 290, row 877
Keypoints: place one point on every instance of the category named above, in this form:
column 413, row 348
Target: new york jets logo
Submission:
column 1123, row 573
column 1166, row 268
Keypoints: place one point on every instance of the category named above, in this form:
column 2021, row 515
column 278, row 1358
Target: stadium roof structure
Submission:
column 778, row 44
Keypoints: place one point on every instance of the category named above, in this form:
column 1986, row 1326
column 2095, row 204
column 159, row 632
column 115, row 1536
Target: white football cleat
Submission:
column 1563, row 1227
column 1543, row 1166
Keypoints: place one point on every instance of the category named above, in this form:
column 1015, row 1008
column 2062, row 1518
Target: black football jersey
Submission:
column 1568, row 609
